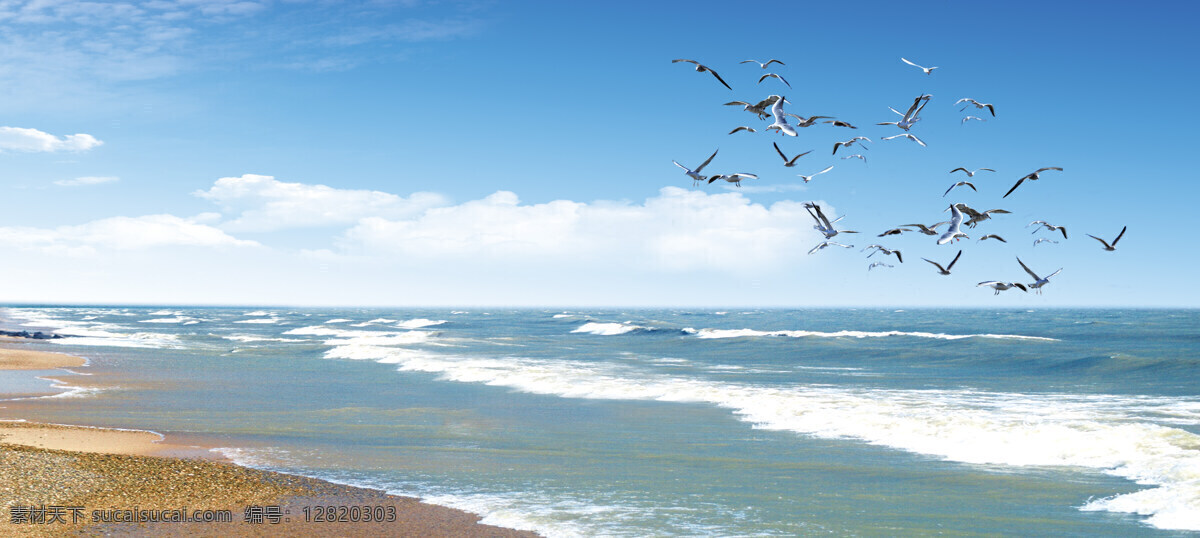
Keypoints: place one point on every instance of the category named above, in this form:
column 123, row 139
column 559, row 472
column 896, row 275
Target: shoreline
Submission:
column 93, row 480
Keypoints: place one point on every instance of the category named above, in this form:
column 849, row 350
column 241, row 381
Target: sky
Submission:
column 459, row 153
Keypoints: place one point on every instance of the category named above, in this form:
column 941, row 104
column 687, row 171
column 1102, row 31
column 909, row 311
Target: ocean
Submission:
column 672, row 422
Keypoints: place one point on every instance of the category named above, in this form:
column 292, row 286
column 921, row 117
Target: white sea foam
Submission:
column 563, row 316
column 418, row 323
column 339, row 320
column 254, row 338
column 606, row 329
column 257, row 313
column 742, row 333
column 175, row 319
column 1117, row 435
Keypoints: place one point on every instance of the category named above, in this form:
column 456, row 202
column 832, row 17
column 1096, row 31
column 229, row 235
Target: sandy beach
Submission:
column 58, row 479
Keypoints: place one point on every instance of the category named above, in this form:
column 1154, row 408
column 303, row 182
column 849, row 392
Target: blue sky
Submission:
column 519, row 153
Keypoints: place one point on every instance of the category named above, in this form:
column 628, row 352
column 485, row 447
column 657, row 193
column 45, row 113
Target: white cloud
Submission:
column 33, row 140
column 265, row 204
column 86, row 180
column 119, row 233
column 678, row 230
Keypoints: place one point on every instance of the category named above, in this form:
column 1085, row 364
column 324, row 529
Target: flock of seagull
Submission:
column 961, row 215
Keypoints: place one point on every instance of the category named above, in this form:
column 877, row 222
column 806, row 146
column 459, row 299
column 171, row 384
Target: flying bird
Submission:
column 742, row 128
column 927, row 230
column 976, row 216
column 959, row 184
column 927, row 70
column 1048, row 226
column 789, row 162
column 801, row 121
column 809, row 178
column 736, row 179
column 1034, row 176
column 1107, row 246
column 695, row 174
column 977, row 104
column 878, row 264
column 945, row 270
column 761, row 64
column 886, row 251
column 993, row 236
column 1044, row 240
column 850, row 142
column 1001, row 286
column 824, row 225
column 1039, row 281
column 910, row 117
column 894, row 231
column 971, row 173
column 855, row 156
column 781, row 124
column 828, row 244
column 758, row 109
column 773, row 75
column 964, row 120
column 702, row 68
column 839, row 123
column 953, row 232
column 908, row 136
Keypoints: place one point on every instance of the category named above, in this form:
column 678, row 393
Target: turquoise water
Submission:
column 671, row 422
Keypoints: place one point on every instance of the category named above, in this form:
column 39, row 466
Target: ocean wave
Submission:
column 253, row 338
column 742, row 333
column 175, row 319
column 608, row 329
column 339, row 320
column 419, row 322
column 260, row 321
column 558, row 316
column 257, row 313
column 1113, row 434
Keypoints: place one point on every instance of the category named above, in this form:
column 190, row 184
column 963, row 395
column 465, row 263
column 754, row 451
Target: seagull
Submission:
column 839, row 123
column 1044, row 240
column 927, row 230
column 847, row 143
column 993, row 236
column 781, row 123
column 1034, row 176
column 855, row 156
column 759, row 109
column 789, row 162
column 959, row 184
column 743, row 128
column 945, row 270
column 809, row 178
column 736, row 179
column 911, row 116
column 695, row 174
column 878, row 264
column 1040, row 281
column 976, row 216
column 824, row 225
column 702, row 68
column 764, row 77
column 761, row 64
column 953, row 232
column 927, row 70
column 1049, row 226
column 977, row 104
column 806, row 122
column 1107, row 246
column 894, row 231
column 1001, row 286
column 964, row 120
column 908, row 136
column 886, row 251
column 828, row 244
column 971, row 173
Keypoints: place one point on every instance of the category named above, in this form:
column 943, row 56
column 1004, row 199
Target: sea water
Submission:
column 675, row 422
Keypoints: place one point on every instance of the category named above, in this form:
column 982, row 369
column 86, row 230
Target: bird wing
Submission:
column 960, row 168
column 706, row 161
column 1020, row 286
column 1106, row 245
column 821, row 215
column 1052, row 274
column 954, row 261
column 1040, row 170
column 898, row 257
column 991, row 109
column 950, row 189
column 1114, row 243
column 793, row 161
column 988, row 169
column 1014, row 187
column 819, row 247
column 915, row 139
column 749, row 62
column 1028, row 270
column 1063, row 229
column 972, row 185
column 771, row 61
column 719, row 79
column 742, row 128
column 743, row 103
column 685, row 60
column 828, row 168
column 910, row 63
column 680, row 165
column 779, row 151
column 964, row 99
column 936, row 264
